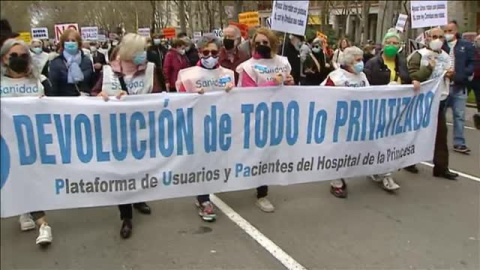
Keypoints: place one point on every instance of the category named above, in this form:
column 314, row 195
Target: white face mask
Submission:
column 209, row 62
column 436, row 44
column 93, row 48
column 316, row 50
column 182, row 51
column 449, row 37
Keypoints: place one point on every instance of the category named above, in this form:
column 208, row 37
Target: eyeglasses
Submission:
column 264, row 42
column 213, row 53
column 435, row 37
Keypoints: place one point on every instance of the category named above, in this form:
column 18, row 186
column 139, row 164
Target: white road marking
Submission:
column 471, row 177
column 467, row 127
column 266, row 243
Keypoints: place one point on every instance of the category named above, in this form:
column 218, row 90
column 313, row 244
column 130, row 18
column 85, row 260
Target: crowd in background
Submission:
column 133, row 65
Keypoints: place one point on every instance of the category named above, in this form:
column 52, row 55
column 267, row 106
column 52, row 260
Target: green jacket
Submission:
column 416, row 70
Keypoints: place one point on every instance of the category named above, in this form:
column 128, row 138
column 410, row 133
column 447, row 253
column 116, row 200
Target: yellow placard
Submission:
column 25, row 36
column 314, row 20
column 322, row 36
column 250, row 18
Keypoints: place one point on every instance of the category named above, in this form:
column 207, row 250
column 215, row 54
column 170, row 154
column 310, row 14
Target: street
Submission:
column 430, row 223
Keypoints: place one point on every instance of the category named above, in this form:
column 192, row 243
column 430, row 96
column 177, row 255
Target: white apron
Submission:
column 40, row 60
column 264, row 70
column 341, row 77
column 142, row 84
column 196, row 77
column 23, row 87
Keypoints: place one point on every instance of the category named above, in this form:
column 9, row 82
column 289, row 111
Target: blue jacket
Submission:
column 58, row 76
column 464, row 52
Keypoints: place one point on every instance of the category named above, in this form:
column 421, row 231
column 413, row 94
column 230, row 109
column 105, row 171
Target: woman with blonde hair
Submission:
column 128, row 73
column 265, row 68
column 20, row 78
column 343, row 43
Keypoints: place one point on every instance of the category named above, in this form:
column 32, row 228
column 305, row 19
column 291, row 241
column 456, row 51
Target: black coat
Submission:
column 58, row 76
column 293, row 56
column 379, row 74
column 98, row 58
column 192, row 56
column 464, row 55
column 156, row 55
column 318, row 76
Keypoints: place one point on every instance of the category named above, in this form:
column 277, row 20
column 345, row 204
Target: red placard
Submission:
column 169, row 32
column 243, row 28
column 60, row 28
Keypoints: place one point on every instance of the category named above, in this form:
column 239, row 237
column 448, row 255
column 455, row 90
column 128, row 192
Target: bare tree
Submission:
column 181, row 15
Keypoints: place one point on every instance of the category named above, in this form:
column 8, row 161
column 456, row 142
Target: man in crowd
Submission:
column 430, row 63
column 461, row 53
column 245, row 46
column 190, row 51
column 475, row 84
column 99, row 61
column 230, row 55
column 156, row 54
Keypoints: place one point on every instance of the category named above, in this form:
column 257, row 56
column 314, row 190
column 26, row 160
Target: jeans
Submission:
column 457, row 100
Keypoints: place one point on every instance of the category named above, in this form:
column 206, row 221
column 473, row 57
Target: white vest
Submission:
column 23, row 87
column 442, row 63
column 142, row 84
column 341, row 77
column 39, row 60
column 264, row 70
column 196, row 77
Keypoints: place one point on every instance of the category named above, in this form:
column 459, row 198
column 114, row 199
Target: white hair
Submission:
column 9, row 44
column 36, row 40
column 238, row 34
column 317, row 40
column 349, row 55
column 130, row 45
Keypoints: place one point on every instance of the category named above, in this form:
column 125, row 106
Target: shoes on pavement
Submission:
column 339, row 192
column 447, row 174
column 44, row 235
column 476, row 120
column 389, row 185
column 26, row 222
column 461, row 149
column 412, row 169
column 142, row 208
column 265, row 205
column 206, row 211
column 126, row 229
column 375, row 178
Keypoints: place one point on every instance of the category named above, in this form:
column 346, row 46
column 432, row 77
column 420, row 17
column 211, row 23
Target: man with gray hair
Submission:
column 230, row 55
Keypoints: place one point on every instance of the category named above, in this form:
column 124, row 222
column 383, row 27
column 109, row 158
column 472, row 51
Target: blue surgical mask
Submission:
column 140, row 58
column 358, row 67
column 71, row 47
column 156, row 41
column 37, row 50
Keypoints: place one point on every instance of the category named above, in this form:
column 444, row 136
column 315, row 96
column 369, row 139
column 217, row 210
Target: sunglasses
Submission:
column 23, row 55
column 213, row 53
column 261, row 43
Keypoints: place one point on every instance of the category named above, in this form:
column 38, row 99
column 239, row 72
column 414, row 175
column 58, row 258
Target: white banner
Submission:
column 428, row 13
column 144, row 32
column 89, row 33
column 59, row 153
column 40, row 33
column 290, row 16
column 401, row 21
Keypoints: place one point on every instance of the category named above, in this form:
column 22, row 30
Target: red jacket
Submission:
column 174, row 62
column 238, row 58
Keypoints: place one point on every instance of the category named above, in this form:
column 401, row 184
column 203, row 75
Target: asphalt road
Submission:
column 429, row 223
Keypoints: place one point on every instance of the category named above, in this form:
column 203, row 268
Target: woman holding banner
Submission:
column 71, row 71
column 129, row 73
column 265, row 68
column 350, row 74
column 210, row 76
column 20, row 78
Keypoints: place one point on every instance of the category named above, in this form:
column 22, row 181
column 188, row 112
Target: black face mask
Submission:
column 264, row 51
column 228, row 43
column 18, row 64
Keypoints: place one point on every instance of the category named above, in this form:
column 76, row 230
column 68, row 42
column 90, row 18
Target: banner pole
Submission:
column 284, row 42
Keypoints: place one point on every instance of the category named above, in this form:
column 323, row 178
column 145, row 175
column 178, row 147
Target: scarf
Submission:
column 75, row 73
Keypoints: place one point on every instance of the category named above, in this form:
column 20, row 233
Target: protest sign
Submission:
column 268, row 22
column 60, row 152
column 428, row 13
column 197, row 35
column 322, row 36
column 102, row 38
column 218, row 33
column 89, row 33
column 40, row 33
column 249, row 18
column 170, row 32
column 290, row 16
column 145, row 32
column 25, row 36
column 401, row 21
column 60, row 28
